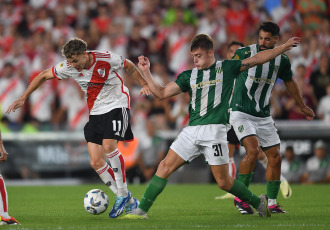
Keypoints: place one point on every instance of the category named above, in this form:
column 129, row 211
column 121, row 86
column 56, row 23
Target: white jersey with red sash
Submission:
column 102, row 84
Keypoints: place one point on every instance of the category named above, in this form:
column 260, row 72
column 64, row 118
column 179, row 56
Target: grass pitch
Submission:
column 178, row 207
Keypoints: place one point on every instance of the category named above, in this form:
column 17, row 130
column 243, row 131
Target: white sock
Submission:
column 3, row 199
column 264, row 162
column 108, row 177
column 232, row 167
column 118, row 166
column 271, row 202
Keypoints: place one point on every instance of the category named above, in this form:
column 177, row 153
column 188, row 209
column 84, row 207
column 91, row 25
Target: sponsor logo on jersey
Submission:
column 260, row 80
column 240, row 128
column 101, row 72
column 80, row 75
column 204, row 84
column 249, row 51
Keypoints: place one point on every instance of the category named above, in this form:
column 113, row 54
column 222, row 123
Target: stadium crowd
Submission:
column 32, row 33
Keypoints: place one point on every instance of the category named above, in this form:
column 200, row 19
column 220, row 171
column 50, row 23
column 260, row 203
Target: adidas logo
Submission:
column 80, row 75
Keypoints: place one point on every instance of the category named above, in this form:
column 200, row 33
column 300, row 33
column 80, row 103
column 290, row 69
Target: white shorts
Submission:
column 209, row 140
column 248, row 125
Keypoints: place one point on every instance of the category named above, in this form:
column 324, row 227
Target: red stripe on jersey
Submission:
column 93, row 90
column 122, row 89
column 124, row 62
column 53, row 71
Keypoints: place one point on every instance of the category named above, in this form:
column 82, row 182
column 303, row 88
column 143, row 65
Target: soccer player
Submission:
column 250, row 115
column 109, row 106
column 233, row 142
column 5, row 219
column 209, row 85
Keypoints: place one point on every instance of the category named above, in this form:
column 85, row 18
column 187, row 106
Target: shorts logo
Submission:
column 240, row 128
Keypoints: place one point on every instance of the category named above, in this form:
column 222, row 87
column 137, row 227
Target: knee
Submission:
column 108, row 148
column 253, row 152
column 163, row 170
column 275, row 161
column 225, row 184
column 96, row 163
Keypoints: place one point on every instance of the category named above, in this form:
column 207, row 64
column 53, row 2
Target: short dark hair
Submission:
column 270, row 27
column 75, row 46
column 202, row 41
column 233, row 43
column 289, row 148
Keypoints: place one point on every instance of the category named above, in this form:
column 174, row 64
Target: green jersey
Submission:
column 209, row 90
column 254, row 86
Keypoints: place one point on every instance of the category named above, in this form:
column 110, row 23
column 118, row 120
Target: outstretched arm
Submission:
column 267, row 55
column 133, row 71
column 158, row 90
column 293, row 90
column 37, row 81
column 3, row 152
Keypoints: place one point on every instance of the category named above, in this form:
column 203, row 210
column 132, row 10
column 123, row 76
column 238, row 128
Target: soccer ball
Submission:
column 96, row 201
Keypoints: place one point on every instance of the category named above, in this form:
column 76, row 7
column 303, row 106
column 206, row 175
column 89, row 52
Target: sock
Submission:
column 155, row 187
column 3, row 199
column 264, row 162
column 108, row 177
column 118, row 166
column 242, row 192
column 232, row 167
column 283, row 179
column 272, row 191
column 245, row 178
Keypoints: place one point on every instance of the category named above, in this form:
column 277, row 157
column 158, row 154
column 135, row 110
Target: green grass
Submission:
column 178, row 207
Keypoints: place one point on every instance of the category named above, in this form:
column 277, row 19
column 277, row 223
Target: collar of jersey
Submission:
column 209, row 67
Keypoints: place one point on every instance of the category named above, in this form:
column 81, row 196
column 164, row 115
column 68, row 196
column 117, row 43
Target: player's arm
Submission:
column 37, row 81
column 267, row 55
column 159, row 91
column 293, row 90
column 133, row 71
column 3, row 152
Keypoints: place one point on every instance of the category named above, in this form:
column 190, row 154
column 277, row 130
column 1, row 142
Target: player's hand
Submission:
column 145, row 90
column 3, row 156
column 292, row 42
column 144, row 63
column 15, row 105
column 308, row 112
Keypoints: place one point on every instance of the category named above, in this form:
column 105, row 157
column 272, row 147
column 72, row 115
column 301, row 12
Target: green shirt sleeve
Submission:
column 182, row 81
column 239, row 54
column 233, row 67
column 285, row 72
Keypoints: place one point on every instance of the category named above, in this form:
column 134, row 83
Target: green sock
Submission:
column 155, row 187
column 272, row 188
column 241, row 191
column 245, row 178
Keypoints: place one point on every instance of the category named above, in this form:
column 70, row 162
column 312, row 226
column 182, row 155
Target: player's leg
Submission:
column 270, row 142
column 99, row 164
column 273, row 174
column 5, row 219
column 285, row 186
column 166, row 167
column 237, row 188
column 232, row 145
column 182, row 150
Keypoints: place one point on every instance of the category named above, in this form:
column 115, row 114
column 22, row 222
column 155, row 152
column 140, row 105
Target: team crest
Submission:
column 62, row 64
column 240, row 128
column 101, row 72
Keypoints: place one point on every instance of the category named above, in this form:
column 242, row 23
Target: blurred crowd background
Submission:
column 32, row 33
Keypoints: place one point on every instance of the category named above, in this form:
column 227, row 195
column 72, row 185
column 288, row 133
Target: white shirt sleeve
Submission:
column 117, row 62
column 62, row 70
